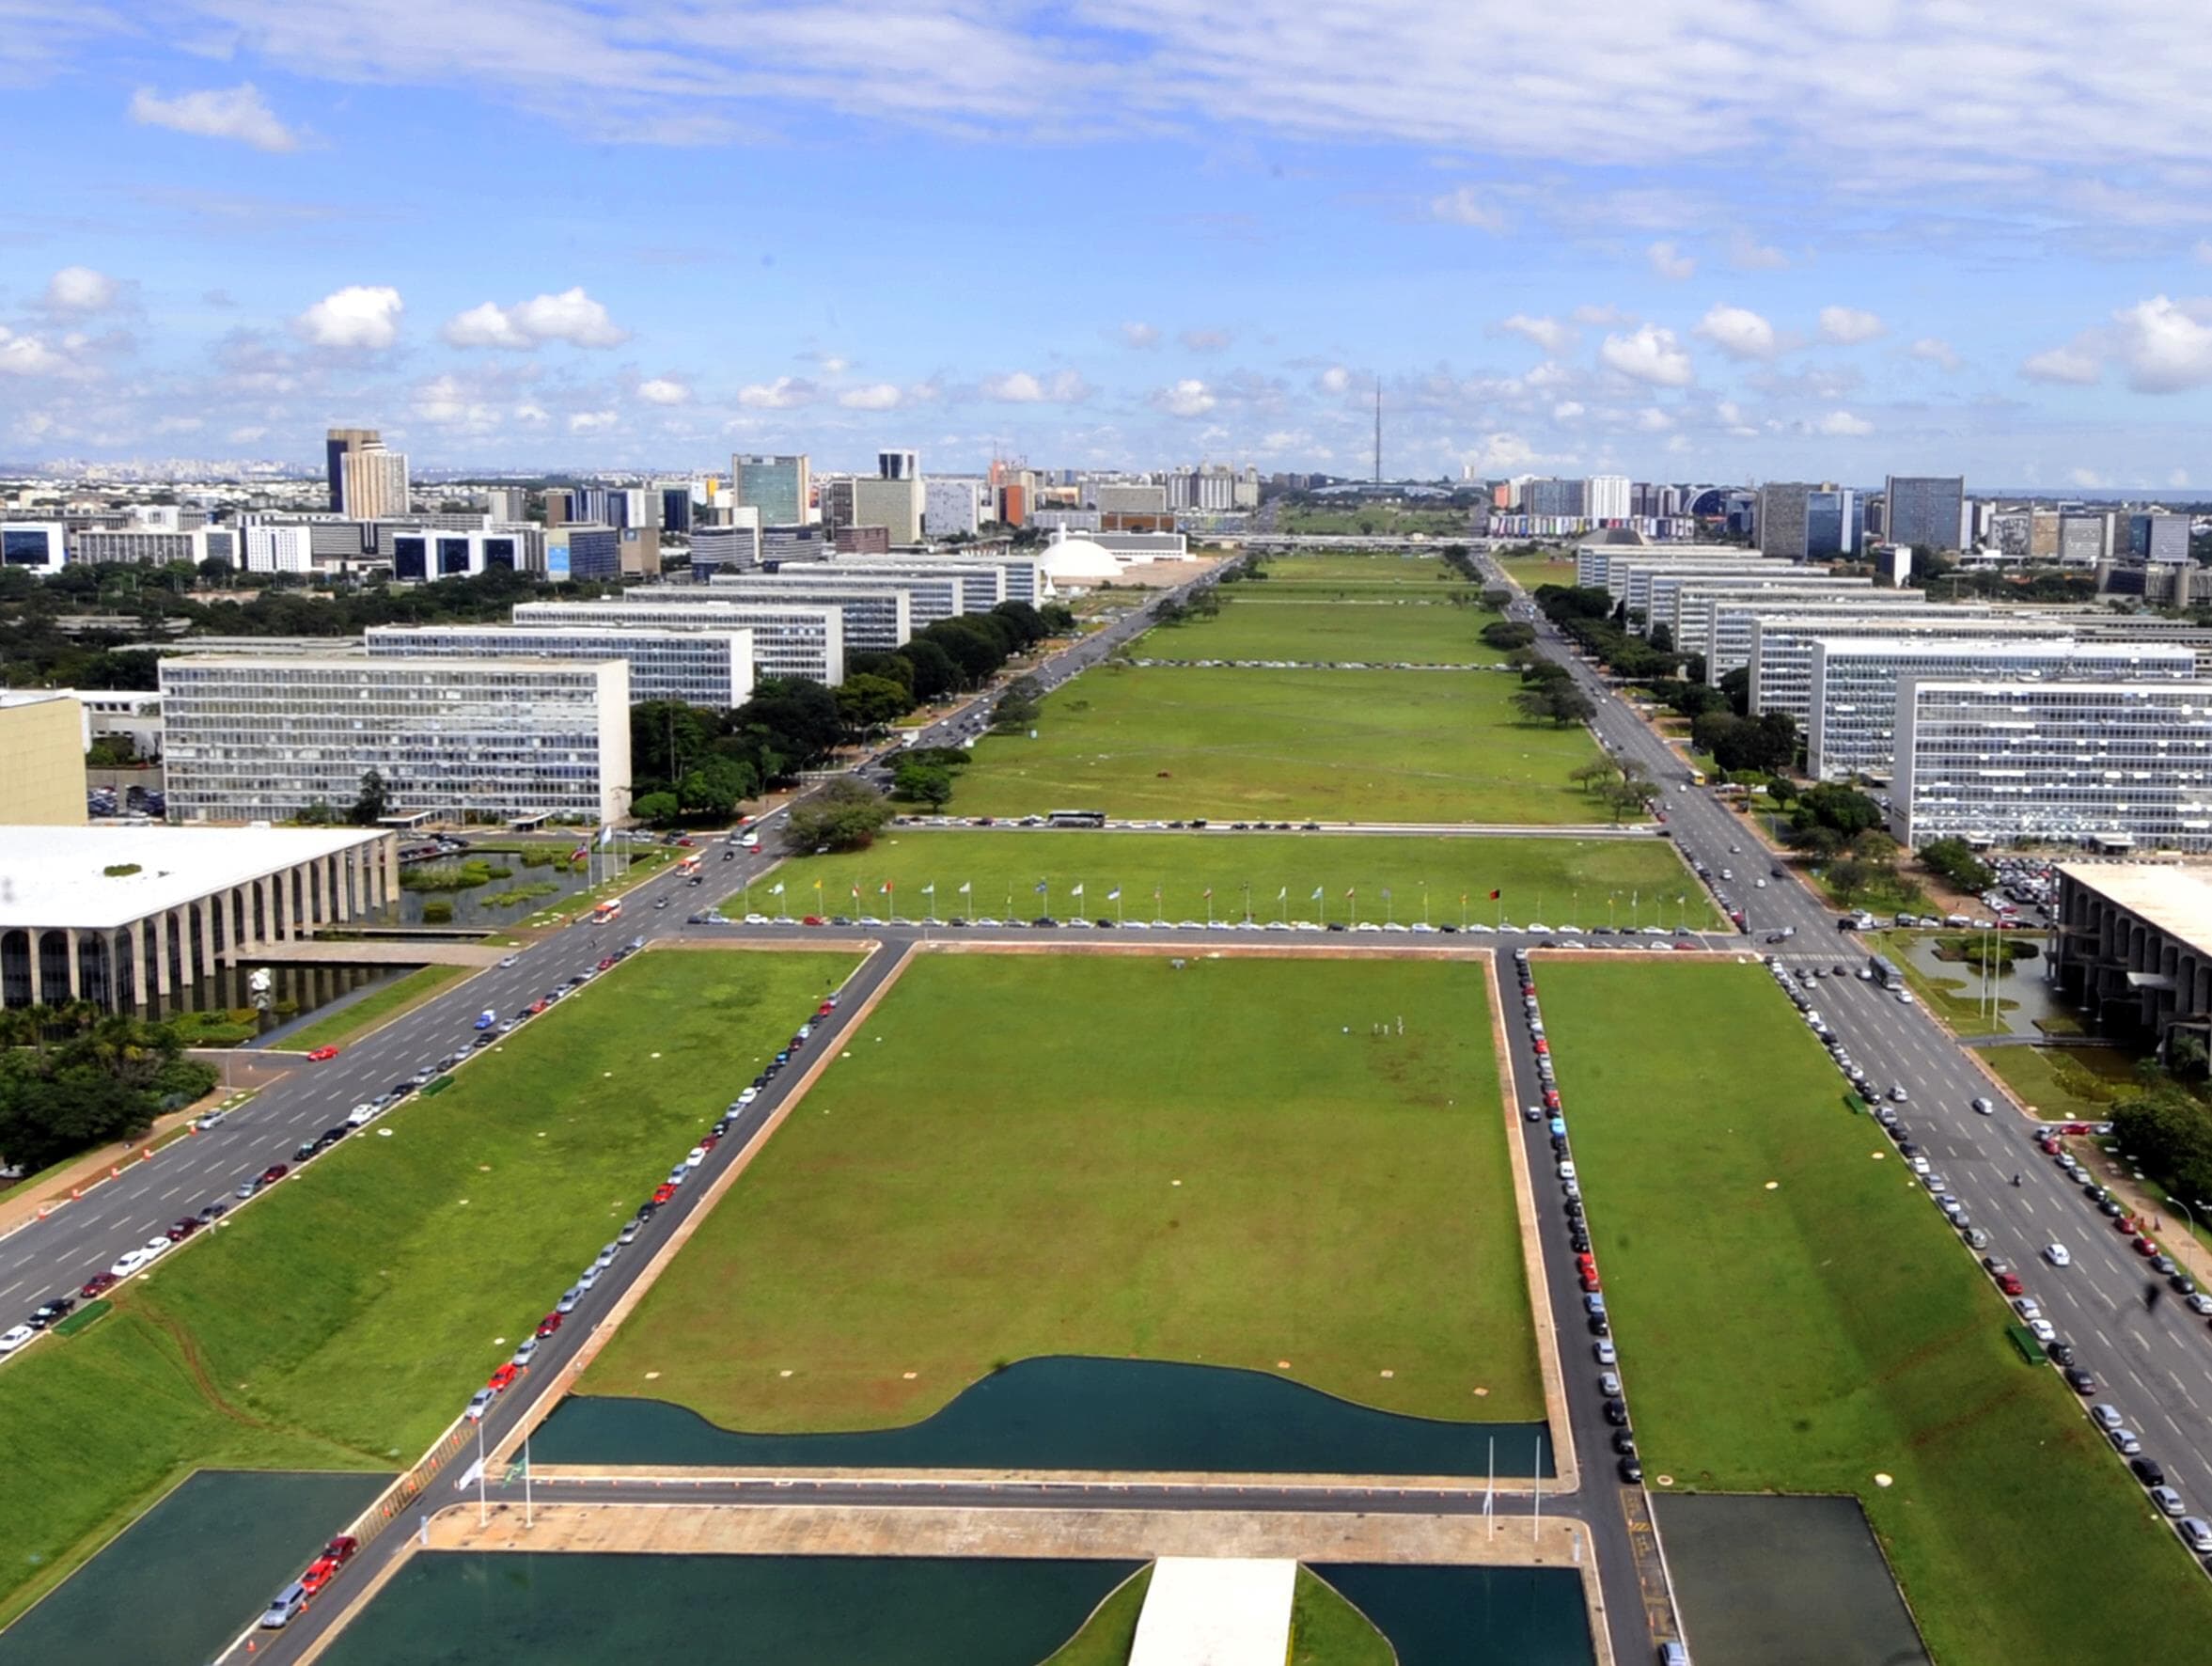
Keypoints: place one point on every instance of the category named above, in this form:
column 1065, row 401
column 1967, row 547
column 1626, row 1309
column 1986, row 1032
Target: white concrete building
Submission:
column 700, row 668
column 1606, row 497
column 1781, row 668
column 1690, row 623
column 879, row 613
column 150, row 546
column 979, row 586
column 251, row 738
column 36, row 546
column 788, row 640
column 280, row 549
column 2112, row 765
column 374, row 483
column 114, row 914
column 1851, row 730
column 949, row 505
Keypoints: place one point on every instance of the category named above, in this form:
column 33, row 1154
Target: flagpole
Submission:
column 1490, row 1490
column 1424, row 902
column 1537, row 1533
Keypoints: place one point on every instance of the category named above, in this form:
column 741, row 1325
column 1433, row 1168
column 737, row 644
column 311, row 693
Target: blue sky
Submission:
column 1680, row 239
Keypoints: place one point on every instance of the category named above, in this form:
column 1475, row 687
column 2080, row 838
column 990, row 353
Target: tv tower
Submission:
column 1378, row 431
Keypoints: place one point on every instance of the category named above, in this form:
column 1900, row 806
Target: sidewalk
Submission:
column 2152, row 1216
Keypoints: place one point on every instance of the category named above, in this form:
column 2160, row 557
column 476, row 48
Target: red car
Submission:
column 2146, row 1247
column 321, row 1055
column 663, row 1193
column 1551, row 1099
column 503, row 1379
column 539, row 1006
column 98, row 1284
column 2010, row 1283
column 548, row 1325
column 341, row 1549
column 1589, row 1279
column 829, row 1000
column 2124, row 1226
column 274, row 1172
column 319, row 1573
column 813, row 919
column 183, row 1228
column 2075, row 1128
column 608, row 965
column 824, row 1010
column 711, row 1141
column 1543, row 1047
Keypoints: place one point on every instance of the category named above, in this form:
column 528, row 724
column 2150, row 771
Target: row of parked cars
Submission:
column 1627, row 1462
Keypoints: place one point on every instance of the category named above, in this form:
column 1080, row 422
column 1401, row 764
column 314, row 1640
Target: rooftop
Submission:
column 2175, row 901
column 54, row 876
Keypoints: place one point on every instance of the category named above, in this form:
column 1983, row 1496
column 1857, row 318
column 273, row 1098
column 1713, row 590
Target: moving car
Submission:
column 322, row 1055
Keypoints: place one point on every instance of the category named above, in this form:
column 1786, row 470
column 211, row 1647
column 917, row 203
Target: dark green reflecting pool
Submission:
column 1472, row 1616
column 191, row 1573
column 495, row 1609
column 1067, row 1412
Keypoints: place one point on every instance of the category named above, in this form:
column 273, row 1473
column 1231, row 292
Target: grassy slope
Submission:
column 1565, row 881
column 1533, row 571
column 342, row 1319
column 1326, row 1630
column 1364, row 746
column 1108, row 1635
column 2065, row 1083
column 1804, row 1339
column 371, row 1010
column 1263, row 621
column 994, row 1179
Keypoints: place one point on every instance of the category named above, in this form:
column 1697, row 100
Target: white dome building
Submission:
column 1077, row 563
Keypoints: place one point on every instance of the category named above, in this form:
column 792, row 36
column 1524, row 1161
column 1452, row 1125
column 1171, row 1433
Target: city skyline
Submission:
column 1762, row 246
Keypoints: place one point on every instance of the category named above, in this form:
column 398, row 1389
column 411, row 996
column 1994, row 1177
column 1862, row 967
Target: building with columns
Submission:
column 2133, row 945
column 119, row 915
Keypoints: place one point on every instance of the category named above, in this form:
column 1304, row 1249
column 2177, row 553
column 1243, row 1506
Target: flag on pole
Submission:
column 775, row 890
column 930, row 890
column 580, row 852
column 965, row 887
column 1386, row 892
column 1351, row 890
column 1316, row 896
column 886, row 891
column 855, row 891
column 1077, row 892
column 1207, row 893
column 1038, row 888
column 606, row 835
column 1114, row 895
column 1495, row 895
column 1283, row 895
column 818, row 885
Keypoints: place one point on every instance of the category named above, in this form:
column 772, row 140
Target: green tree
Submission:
column 1953, row 859
column 924, row 783
column 866, row 703
column 843, row 815
column 658, row 808
column 716, row 787
column 374, row 802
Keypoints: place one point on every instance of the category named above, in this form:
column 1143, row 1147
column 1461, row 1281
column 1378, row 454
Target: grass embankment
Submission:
column 2065, row 1084
column 1292, row 746
column 1533, row 571
column 1558, row 881
column 1265, row 621
column 342, row 1319
column 1376, row 520
column 1812, row 1337
column 379, row 1006
column 1110, row 1633
column 1027, row 1156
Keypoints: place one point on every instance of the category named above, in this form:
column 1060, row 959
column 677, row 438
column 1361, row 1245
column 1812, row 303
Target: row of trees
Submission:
column 1599, row 626
column 75, row 1077
column 1625, row 788
column 1549, row 693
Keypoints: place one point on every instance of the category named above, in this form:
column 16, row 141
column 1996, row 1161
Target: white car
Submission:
column 12, row 1340
column 2058, row 1255
column 2043, row 1329
column 2025, row 1306
column 513, row 960
column 694, row 1157
column 135, row 1259
column 749, row 1095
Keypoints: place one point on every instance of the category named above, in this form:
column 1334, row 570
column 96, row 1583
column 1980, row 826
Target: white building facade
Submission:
column 698, row 668
column 788, row 640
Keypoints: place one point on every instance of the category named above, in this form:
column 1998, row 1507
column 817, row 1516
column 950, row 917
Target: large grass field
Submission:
column 2065, row 1084
column 1333, row 568
column 342, row 1320
column 1292, row 746
column 1035, row 1154
column 1257, row 622
column 1558, row 881
column 1531, row 573
column 1813, row 1336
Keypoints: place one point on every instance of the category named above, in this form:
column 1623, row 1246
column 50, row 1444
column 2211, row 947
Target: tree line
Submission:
column 75, row 1076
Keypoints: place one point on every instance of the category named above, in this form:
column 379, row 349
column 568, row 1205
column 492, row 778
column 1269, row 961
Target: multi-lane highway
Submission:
column 2152, row 1355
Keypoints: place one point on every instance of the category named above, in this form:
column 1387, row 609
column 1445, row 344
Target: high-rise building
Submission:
column 41, row 759
column 507, row 503
column 712, row 668
column 263, row 738
column 880, row 613
column 1565, row 500
column 950, row 506
column 891, row 502
column 1927, row 511
column 1783, row 512
column 790, row 639
column 898, row 465
column 374, row 483
column 676, row 509
column 1607, row 497
column 779, row 487
column 583, row 552
column 337, row 445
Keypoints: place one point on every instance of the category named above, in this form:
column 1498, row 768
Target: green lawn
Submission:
column 1333, row 568
column 2065, row 1084
column 1026, row 1155
column 1326, row 1630
column 1532, row 572
column 378, row 1007
column 342, row 1320
column 1257, row 622
column 1812, row 1337
column 1559, row 881
column 1108, row 1635
column 1292, row 746
column 1377, row 521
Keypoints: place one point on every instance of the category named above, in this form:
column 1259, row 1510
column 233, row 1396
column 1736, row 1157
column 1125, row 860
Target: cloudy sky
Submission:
column 1682, row 239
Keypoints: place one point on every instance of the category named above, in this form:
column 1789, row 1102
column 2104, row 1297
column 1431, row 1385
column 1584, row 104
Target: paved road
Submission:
column 2153, row 1360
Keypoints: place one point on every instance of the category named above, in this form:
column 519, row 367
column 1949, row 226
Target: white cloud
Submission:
column 664, row 390
column 248, row 435
column 1848, row 325
column 2086, row 477
column 1565, row 410
column 358, row 316
column 1141, row 334
column 591, row 421
column 779, row 395
column 1187, row 398
column 1936, row 352
column 1651, row 355
column 447, row 401
column 2178, row 479
column 80, row 290
column 1336, row 379
column 2073, row 366
column 1732, row 423
column 2167, row 345
column 1844, row 425
column 1601, row 317
column 880, row 396
column 1204, row 341
column 28, row 355
column 1751, row 255
column 571, row 316
column 1505, row 453
column 218, row 113
column 1738, row 332
column 1548, row 333
column 1467, row 207
column 1651, row 419
column 1019, row 387
column 179, row 425
column 1668, row 263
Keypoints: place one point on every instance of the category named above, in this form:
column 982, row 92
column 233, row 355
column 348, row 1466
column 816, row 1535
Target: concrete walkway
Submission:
column 1227, row 1611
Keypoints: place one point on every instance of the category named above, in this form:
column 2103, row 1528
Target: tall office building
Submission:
column 1783, row 507
column 1607, row 497
column 712, row 668
column 1927, row 511
column 891, row 502
column 779, row 487
column 337, row 445
column 1555, row 498
column 374, row 483
column 898, row 465
column 790, row 639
